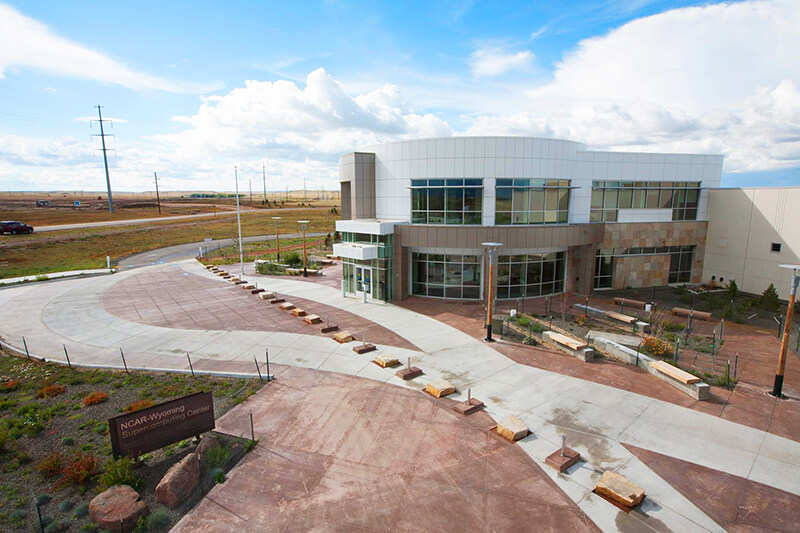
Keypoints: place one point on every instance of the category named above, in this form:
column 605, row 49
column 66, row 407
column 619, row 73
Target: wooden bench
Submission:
column 567, row 341
column 619, row 316
column 327, row 262
column 632, row 303
column 331, row 256
column 680, row 311
column 674, row 372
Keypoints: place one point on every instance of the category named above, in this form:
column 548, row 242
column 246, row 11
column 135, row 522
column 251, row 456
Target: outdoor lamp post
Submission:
column 277, row 237
column 239, row 222
column 492, row 248
column 303, row 225
column 787, row 328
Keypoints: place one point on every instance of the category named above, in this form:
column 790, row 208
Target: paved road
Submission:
column 190, row 250
column 596, row 418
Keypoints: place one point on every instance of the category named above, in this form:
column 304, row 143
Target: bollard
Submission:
column 25, row 344
column 344, row 292
column 364, row 297
column 563, row 445
column 266, row 356
column 123, row 360
column 728, row 369
column 39, row 515
column 190, row 363
column 252, row 431
column 108, row 262
column 200, row 251
column 67, row 356
column 260, row 380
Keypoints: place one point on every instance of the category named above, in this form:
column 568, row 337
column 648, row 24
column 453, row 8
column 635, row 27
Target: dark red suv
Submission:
column 14, row 227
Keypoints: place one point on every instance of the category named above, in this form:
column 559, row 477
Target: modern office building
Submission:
column 415, row 214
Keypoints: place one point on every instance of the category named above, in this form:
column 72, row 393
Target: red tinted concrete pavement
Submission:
column 749, row 404
column 340, row 453
column 171, row 298
column 735, row 503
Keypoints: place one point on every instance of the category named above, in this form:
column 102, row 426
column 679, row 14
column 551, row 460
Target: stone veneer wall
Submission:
column 645, row 271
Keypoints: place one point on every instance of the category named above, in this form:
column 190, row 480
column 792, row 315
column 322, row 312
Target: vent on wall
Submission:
column 776, row 247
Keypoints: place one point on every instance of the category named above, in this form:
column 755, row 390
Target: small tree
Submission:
column 733, row 289
column 769, row 299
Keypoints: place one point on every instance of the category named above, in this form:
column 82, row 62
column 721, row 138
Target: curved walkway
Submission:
column 597, row 419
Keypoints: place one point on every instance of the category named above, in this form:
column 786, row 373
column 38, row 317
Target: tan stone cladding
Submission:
column 645, row 271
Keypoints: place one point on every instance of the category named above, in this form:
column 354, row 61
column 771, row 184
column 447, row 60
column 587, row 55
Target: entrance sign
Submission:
column 160, row 425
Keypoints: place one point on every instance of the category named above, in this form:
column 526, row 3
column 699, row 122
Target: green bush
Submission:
column 81, row 511
column 769, row 300
column 523, row 321
column 119, row 472
column 58, row 525
column 158, row 520
column 293, row 259
column 674, row 328
column 732, row 289
column 270, row 268
column 217, row 456
column 65, row 506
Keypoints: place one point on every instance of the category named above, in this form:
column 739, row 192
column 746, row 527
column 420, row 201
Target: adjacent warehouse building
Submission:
column 414, row 215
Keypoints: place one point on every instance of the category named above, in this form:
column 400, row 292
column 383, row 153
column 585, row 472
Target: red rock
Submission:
column 118, row 503
column 179, row 482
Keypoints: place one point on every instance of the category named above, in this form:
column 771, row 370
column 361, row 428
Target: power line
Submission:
column 103, row 136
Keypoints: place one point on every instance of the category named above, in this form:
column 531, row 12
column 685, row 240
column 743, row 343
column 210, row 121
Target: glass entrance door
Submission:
column 363, row 280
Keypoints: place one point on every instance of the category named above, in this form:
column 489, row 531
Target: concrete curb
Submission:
column 14, row 284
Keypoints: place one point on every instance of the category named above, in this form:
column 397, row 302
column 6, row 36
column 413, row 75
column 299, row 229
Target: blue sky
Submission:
column 197, row 87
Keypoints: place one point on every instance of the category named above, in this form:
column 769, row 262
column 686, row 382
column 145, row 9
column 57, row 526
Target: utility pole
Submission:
column 158, row 198
column 105, row 157
column 787, row 328
column 264, row 176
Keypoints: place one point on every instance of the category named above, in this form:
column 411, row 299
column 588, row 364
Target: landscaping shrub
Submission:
column 523, row 320
column 78, row 470
column 657, row 347
column 270, row 268
column 65, row 506
column 769, row 300
column 158, row 520
column 68, row 441
column 43, row 498
column 3, row 439
column 9, row 386
column 51, row 465
column 119, row 472
column 81, row 511
column 673, row 328
column 293, row 259
column 95, row 398
column 58, row 525
column 138, row 405
column 51, row 390
column 732, row 289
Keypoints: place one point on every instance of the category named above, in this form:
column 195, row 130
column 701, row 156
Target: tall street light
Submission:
column 239, row 221
column 303, row 225
column 787, row 328
column 277, row 237
column 492, row 248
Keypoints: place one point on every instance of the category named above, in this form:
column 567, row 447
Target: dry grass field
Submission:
column 30, row 255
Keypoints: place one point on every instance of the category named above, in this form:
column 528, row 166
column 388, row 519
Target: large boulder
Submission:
column 117, row 508
column 179, row 482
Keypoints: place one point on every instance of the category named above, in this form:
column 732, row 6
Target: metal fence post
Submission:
column 25, row 344
column 67, row 356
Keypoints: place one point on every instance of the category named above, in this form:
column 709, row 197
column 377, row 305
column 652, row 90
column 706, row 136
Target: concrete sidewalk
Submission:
column 4, row 282
column 595, row 418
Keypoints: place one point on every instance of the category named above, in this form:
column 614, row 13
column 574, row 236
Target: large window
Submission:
column 531, row 201
column 609, row 196
column 680, row 262
column 446, row 276
column 447, row 201
column 528, row 276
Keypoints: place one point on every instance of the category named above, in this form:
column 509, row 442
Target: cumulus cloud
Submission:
column 27, row 43
column 493, row 61
column 714, row 78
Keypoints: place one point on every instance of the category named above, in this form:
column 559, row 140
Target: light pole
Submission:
column 787, row 328
column 303, row 225
column 492, row 248
column 239, row 221
column 277, row 237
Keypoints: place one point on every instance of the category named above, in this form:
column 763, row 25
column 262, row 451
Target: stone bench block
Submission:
column 440, row 388
column 617, row 488
column 468, row 407
column 247, row 286
column 364, row 348
column 257, row 291
column 408, row 373
column 562, row 462
column 328, row 329
column 385, row 361
column 287, row 306
column 298, row 312
column 267, row 295
column 277, row 301
column 343, row 337
column 312, row 319
column 512, row 428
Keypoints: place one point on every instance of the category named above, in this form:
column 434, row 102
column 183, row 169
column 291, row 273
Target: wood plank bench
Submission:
column 622, row 318
column 680, row 311
column 674, row 372
column 627, row 301
column 567, row 341
column 331, row 256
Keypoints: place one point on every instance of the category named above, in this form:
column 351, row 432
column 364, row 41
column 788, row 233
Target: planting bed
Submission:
column 55, row 447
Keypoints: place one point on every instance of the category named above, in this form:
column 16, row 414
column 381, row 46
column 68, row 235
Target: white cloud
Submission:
column 27, row 43
column 720, row 78
column 493, row 61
